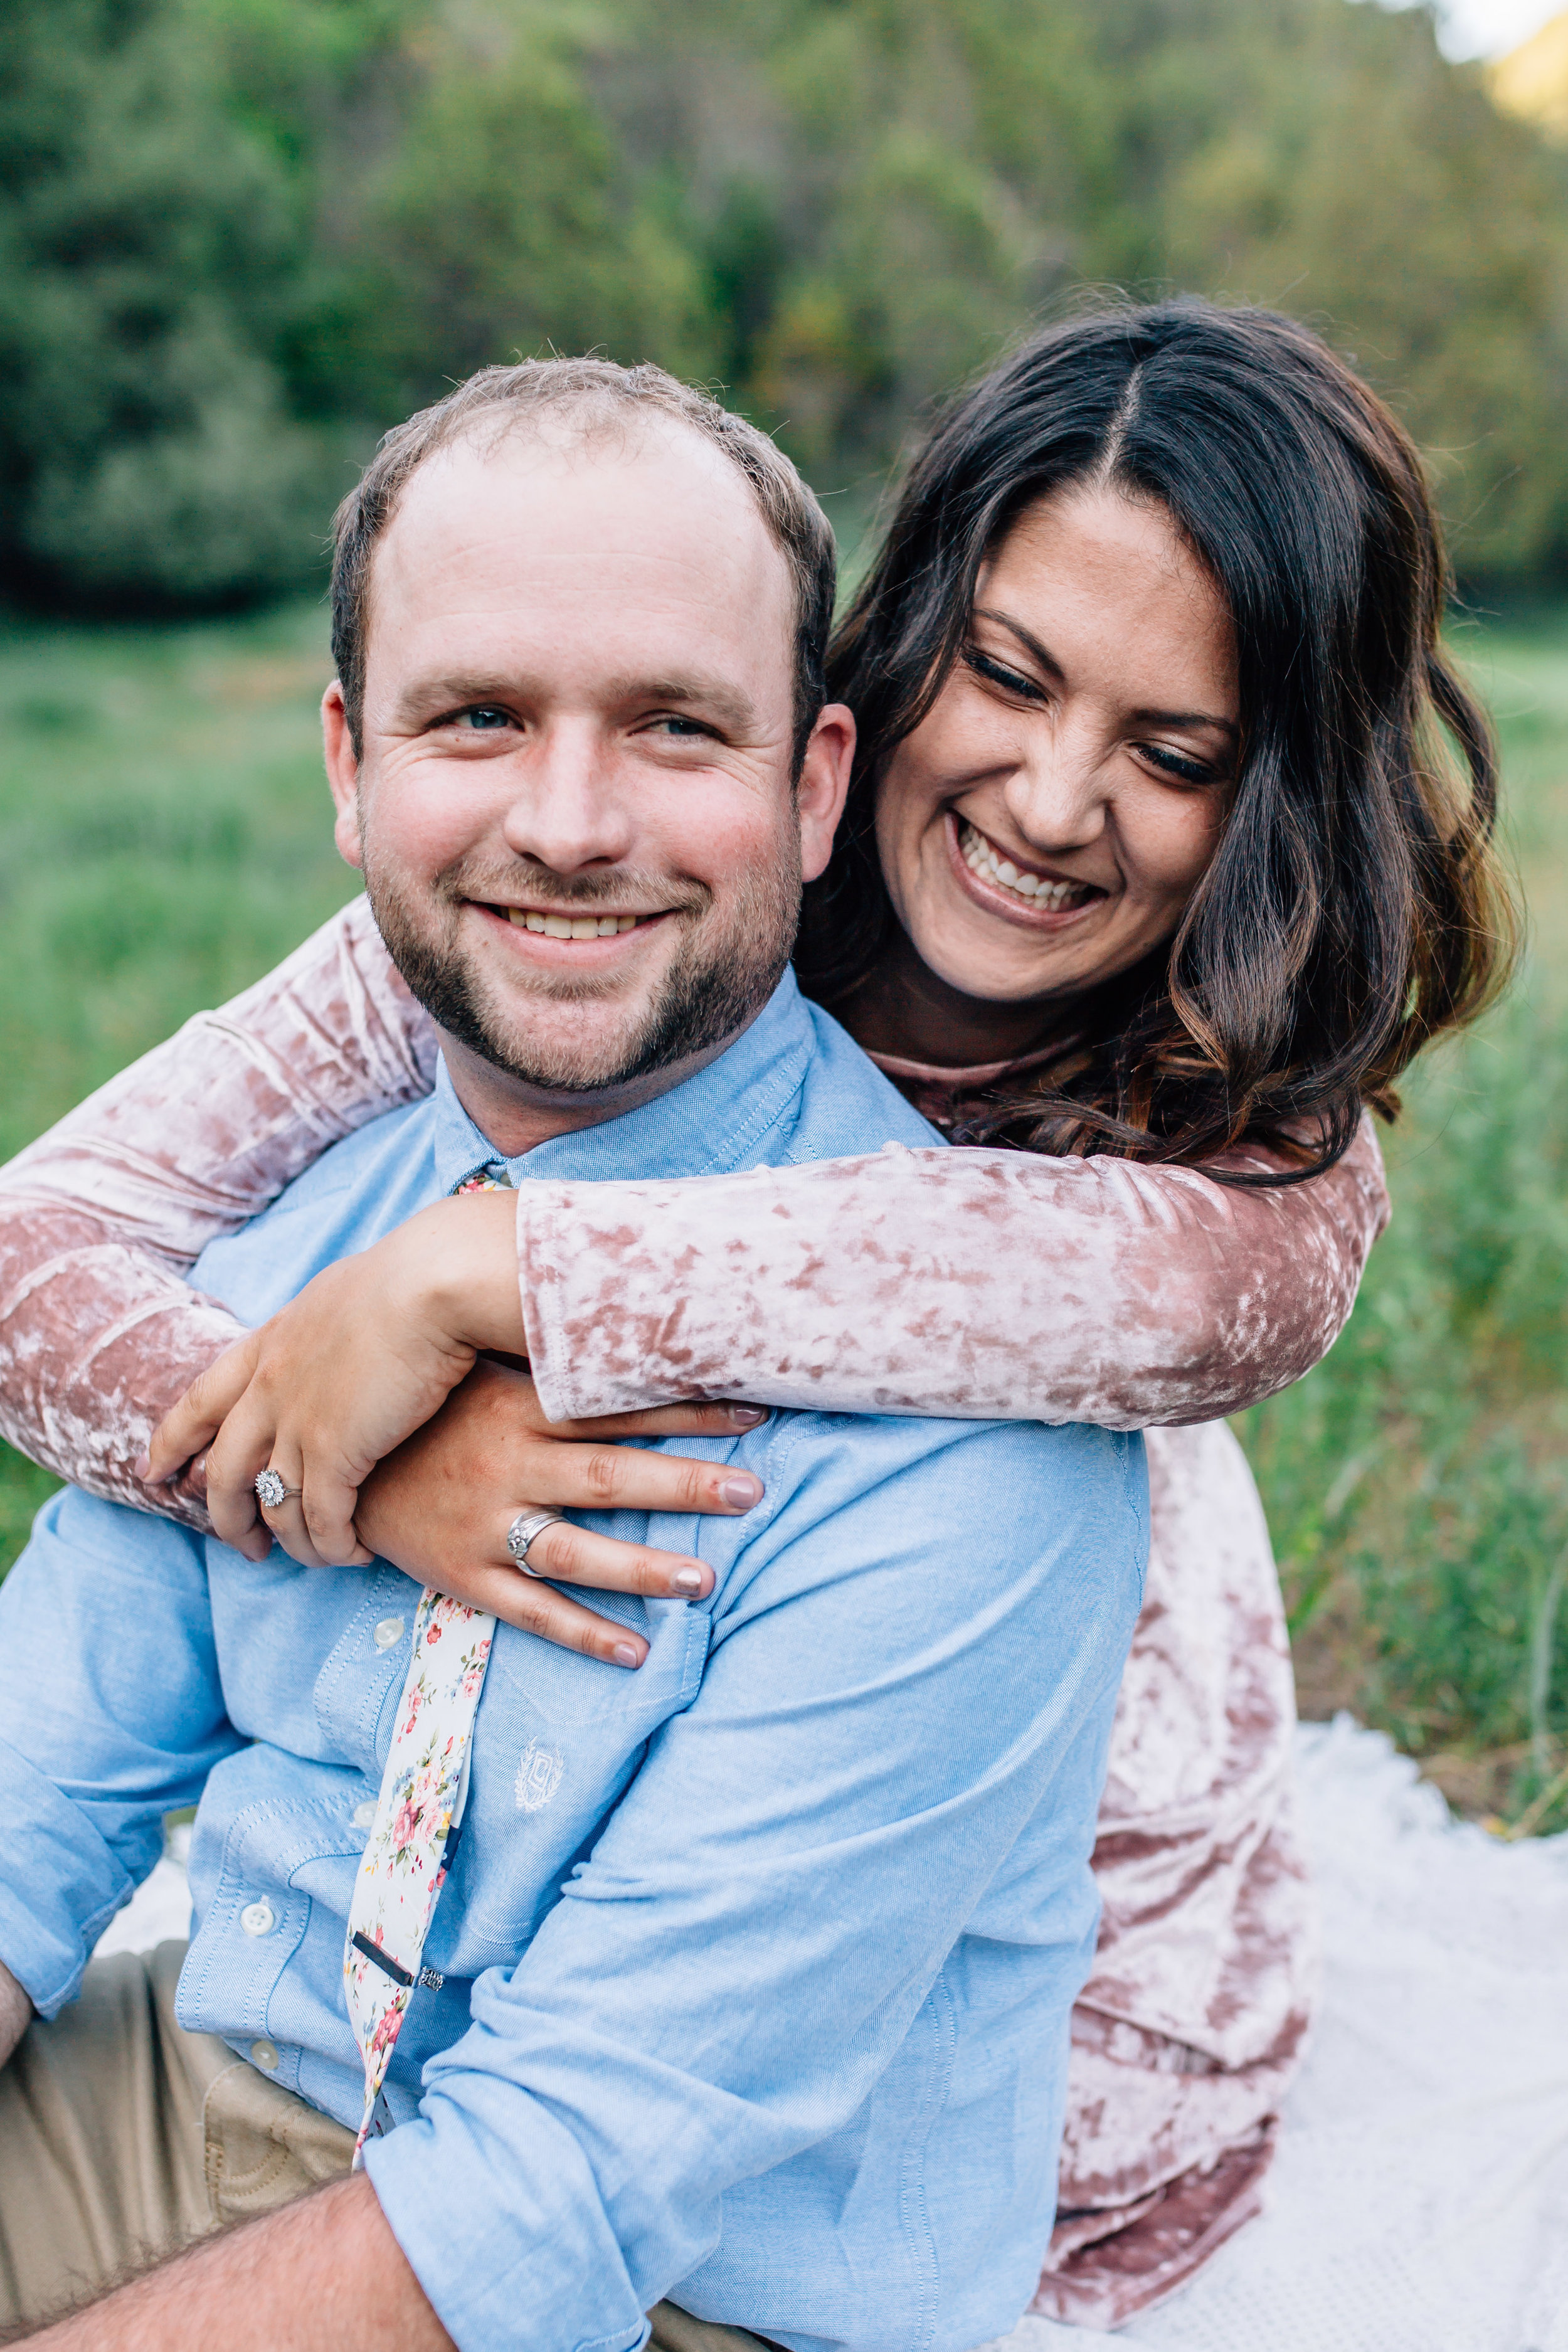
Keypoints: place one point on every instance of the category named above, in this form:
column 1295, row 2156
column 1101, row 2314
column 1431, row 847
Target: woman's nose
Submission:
column 1056, row 793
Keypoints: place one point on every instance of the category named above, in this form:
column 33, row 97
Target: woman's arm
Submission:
column 102, row 1217
column 965, row 1283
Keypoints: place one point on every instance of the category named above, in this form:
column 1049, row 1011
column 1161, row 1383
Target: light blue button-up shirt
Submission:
column 759, row 1960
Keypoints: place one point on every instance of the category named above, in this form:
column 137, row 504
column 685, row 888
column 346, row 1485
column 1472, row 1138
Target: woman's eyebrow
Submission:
column 1026, row 638
column 1049, row 661
column 1188, row 719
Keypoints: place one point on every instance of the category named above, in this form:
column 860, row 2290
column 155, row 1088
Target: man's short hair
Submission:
column 588, row 396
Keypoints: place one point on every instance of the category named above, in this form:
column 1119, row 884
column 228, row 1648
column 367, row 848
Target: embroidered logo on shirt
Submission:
column 538, row 1774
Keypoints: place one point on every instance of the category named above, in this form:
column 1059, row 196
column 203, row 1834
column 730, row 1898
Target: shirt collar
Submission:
column 709, row 1124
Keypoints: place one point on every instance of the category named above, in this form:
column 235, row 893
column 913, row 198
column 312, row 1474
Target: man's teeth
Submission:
column 572, row 927
column 1035, row 890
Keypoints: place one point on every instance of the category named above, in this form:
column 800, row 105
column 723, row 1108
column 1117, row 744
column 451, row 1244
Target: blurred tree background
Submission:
column 238, row 237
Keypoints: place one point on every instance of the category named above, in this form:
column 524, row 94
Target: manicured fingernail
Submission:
column 740, row 1491
column 687, row 1580
column 746, row 1416
column 142, row 1465
column 625, row 1655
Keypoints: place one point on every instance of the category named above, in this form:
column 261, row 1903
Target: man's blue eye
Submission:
column 486, row 717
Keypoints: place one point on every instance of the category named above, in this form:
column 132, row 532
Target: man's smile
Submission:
column 566, row 937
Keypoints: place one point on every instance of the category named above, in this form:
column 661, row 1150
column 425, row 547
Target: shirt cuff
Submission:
column 497, row 2210
column 62, row 1884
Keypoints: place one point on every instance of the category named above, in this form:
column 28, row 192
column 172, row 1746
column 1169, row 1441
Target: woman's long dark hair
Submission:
column 1353, row 909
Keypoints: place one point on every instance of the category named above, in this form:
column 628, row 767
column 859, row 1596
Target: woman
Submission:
column 1151, row 877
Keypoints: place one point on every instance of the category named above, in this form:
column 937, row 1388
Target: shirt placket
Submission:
column 424, row 1789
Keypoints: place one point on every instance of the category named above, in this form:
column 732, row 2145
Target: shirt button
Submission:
column 259, row 1918
column 265, row 2054
column 389, row 1631
column 364, row 1815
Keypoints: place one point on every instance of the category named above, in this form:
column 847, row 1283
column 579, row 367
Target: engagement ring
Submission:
column 270, row 1490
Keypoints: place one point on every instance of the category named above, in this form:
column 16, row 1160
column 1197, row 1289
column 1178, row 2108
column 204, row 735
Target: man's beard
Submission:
column 721, row 975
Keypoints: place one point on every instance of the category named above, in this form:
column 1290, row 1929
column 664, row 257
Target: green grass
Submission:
column 165, row 836
column 1415, row 1483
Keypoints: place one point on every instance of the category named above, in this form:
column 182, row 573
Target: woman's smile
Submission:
column 1015, row 885
column 1046, row 824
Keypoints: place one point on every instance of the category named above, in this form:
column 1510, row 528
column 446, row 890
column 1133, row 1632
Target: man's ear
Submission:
column 823, row 783
column 343, row 774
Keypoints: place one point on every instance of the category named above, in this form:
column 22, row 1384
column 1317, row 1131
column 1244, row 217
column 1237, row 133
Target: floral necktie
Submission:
column 423, row 1792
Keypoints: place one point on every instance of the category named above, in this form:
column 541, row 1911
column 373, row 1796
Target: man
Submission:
column 749, row 1982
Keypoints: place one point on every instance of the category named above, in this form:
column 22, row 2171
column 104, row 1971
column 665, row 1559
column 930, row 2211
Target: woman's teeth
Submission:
column 1035, row 889
column 572, row 926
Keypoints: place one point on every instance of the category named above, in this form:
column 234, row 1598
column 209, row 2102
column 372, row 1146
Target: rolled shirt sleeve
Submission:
column 114, row 1716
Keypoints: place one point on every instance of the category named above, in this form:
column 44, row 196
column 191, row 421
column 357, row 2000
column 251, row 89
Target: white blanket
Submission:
column 1419, row 2200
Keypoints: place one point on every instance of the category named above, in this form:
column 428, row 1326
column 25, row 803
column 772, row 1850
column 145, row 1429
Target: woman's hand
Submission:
column 440, row 1507
column 364, row 1357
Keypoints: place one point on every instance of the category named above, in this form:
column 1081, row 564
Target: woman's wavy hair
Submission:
column 1353, row 908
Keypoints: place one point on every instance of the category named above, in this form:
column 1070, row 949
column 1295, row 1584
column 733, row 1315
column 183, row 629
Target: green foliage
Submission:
column 146, row 449
column 238, row 237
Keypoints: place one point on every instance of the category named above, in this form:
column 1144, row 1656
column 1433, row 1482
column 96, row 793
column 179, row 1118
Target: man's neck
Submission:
column 514, row 1116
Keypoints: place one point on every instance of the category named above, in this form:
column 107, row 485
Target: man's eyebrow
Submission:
column 728, row 705
column 1048, row 660
column 452, row 690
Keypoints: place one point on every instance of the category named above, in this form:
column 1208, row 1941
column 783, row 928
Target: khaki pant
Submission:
column 124, row 2137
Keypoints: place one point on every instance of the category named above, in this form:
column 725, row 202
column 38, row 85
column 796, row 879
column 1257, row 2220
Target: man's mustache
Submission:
column 625, row 890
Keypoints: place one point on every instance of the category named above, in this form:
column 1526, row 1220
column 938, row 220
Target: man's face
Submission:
column 572, row 805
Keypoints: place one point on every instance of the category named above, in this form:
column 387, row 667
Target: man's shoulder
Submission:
column 983, row 1491
column 359, row 1189
column 846, row 1104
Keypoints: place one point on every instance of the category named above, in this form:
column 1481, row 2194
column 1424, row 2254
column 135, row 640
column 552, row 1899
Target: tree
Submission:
column 146, row 448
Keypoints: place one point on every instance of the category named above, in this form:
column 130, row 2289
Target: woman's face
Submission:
column 1045, row 826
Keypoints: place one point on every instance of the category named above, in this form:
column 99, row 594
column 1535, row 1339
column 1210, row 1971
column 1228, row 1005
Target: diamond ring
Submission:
column 270, row 1490
column 524, row 1529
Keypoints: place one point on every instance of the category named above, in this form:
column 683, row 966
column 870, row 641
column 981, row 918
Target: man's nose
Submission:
column 572, row 806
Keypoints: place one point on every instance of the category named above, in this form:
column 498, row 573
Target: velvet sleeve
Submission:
column 972, row 1284
column 102, row 1218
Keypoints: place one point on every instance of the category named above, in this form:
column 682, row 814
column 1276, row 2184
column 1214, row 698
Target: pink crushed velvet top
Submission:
column 969, row 1283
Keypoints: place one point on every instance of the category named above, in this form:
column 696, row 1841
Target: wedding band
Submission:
column 270, row 1490
column 522, row 1532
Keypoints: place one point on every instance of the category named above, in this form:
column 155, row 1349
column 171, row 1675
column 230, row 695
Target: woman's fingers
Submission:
column 538, row 1609
column 625, row 1478
column 663, row 1421
column 566, row 1554
column 326, row 1509
column 195, row 1421
column 245, row 1446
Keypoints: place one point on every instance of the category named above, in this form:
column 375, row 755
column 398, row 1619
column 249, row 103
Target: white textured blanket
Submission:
column 1419, row 2200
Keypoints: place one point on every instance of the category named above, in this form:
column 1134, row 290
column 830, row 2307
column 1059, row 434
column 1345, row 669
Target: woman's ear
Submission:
column 342, row 773
column 824, row 784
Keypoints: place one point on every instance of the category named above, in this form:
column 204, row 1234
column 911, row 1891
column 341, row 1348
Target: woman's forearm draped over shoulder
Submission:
column 100, row 1219
column 970, row 1284
column 965, row 1283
